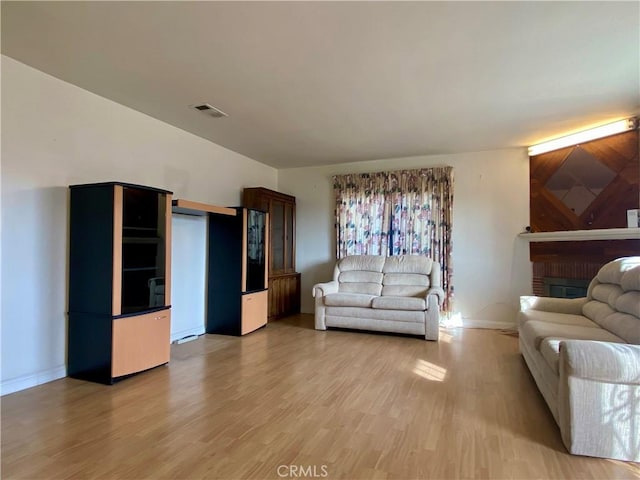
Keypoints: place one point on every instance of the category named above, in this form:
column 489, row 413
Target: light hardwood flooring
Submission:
column 338, row 404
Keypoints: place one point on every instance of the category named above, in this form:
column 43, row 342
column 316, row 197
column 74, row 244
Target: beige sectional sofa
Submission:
column 399, row 294
column 584, row 355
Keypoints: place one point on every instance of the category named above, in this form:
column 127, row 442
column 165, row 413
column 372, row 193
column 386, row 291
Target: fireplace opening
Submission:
column 565, row 287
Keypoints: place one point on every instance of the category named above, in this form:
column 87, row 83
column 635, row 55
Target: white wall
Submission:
column 189, row 272
column 54, row 135
column 491, row 206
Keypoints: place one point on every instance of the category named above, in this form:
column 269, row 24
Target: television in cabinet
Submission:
column 237, row 287
column 119, row 280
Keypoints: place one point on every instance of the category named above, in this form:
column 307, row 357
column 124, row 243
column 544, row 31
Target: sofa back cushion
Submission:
column 367, row 263
column 406, row 276
column 614, row 299
column 360, row 274
column 369, row 283
column 407, row 264
column 613, row 271
column 405, row 284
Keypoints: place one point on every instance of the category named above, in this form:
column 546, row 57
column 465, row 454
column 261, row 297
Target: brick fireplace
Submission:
column 565, row 280
column 565, row 268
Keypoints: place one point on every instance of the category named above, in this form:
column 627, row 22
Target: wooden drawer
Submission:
column 140, row 342
column 254, row 311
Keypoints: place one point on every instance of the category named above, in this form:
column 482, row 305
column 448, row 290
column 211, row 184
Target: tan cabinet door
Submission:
column 254, row 311
column 140, row 342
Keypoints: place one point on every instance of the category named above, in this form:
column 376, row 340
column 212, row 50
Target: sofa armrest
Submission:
column 322, row 289
column 601, row 361
column 438, row 292
column 319, row 291
column 549, row 304
column 598, row 392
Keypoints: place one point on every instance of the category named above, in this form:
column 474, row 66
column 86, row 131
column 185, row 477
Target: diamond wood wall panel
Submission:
column 609, row 208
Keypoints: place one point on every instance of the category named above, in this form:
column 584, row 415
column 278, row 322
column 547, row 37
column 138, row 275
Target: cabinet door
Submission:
column 254, row 311
column 290, row 236
column 277, row 236
column 142, row 244
column 140, row 342
column 284, row 295
column 255, row 253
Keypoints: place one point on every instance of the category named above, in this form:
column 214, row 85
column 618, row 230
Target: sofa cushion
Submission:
column 399, row 303
column 360, row 276
column 535, row 332
column 629, row 302
column 552, row 317
column 405, row 284
column 408, row 264
column 613, row 271
column 624, row 326
column 550, row 351
column 374, row 314
column 597, row 311
column 405, row 279
column 371, row 263
column 618, row 320
column 631, row 279
column 360, row 287
column 607, row 293
column 348, row 300
column 404, row 291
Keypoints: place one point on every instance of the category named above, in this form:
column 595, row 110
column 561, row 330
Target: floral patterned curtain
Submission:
column 397, row 213
column 362, row 214
column 421, row 217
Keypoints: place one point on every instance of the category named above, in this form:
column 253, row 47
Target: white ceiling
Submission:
column 313, row 83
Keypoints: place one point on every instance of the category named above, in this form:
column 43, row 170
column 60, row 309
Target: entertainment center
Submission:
column 119, row 280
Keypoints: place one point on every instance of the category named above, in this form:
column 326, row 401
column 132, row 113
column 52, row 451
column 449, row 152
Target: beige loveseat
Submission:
column 399, row 294
column 584, row 355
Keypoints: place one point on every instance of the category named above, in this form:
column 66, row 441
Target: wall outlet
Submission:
column 633, row 218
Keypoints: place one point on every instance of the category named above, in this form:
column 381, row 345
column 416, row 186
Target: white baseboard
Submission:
column 468, row 323
column 32, row 380
column 186, row 333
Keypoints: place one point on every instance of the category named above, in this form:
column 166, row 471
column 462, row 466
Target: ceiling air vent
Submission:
column 210, row 110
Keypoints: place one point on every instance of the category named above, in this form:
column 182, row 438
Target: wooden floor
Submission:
column 291, row 402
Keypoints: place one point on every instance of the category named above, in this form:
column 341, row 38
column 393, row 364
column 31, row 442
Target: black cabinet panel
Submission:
column 91, row 250
column 224, row 274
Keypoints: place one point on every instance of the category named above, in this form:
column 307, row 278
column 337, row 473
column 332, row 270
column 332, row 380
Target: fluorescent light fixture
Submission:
column 584, row 136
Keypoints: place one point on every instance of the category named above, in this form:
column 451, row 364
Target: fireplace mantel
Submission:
column 581, row 235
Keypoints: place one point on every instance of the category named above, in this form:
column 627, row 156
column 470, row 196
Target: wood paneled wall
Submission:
column 582, row 259
column 609, row 209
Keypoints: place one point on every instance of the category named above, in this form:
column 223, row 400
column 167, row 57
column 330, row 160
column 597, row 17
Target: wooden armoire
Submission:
column 284, row 281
